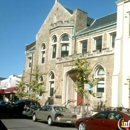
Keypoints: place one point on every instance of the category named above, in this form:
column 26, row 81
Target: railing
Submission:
column 67, row 102
column 79, row 107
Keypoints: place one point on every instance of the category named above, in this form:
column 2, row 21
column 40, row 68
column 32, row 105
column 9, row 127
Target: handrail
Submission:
column 77, row 106
column 68, row 101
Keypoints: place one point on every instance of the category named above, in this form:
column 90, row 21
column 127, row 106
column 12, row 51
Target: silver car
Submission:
column 54, row 114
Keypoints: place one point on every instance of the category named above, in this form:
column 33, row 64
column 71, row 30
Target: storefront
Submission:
column 10, row 94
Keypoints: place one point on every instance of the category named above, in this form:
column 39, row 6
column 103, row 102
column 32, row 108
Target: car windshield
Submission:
column 61, row 109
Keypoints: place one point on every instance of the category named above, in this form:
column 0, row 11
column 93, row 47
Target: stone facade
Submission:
column 70, row 33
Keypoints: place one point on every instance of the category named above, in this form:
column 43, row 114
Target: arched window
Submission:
column 51, row 82
column 65, row 46
column 54, row 46
column 100, row 74
column 43, row 50
column 65, row 38
column 41, row 78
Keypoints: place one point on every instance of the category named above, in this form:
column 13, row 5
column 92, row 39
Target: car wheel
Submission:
column 34, row 117
column 82, row 126
column 49, row 121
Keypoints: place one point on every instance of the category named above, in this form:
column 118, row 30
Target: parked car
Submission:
column 21, row 107
column 4, row 106
column 54, row 114
column 105, row 120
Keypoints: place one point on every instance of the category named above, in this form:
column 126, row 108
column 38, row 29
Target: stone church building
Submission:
column 67, row 34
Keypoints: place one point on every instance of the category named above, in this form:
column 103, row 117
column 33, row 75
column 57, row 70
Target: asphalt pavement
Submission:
column 16, row 123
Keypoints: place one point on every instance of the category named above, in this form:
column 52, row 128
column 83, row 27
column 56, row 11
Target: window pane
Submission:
column 100, row 72
column 51, row 88
column 65, row 38
column 65, row 50
column 100, row 85
column 55, row 39
column 43, row 54
column 99, row 44
column 43, row 59
column 84, row 47
column 67, row 47
column 113, row 40
column 43, row 46
column 54, row 51
column 52, row 76
column 100, row 90
column 64, row 53
column 30, row 64
column 30, row 61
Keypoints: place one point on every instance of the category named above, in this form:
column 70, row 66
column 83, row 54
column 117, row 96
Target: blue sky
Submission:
column 20, row 21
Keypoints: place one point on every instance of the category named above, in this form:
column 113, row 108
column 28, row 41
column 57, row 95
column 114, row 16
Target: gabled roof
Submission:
column 89, row 19
column 100, row 22
column 69, row 10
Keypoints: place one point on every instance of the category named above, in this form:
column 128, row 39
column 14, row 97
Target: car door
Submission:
column 41, row 113
column 95, row 122
column 18, row 107
column 44, row 112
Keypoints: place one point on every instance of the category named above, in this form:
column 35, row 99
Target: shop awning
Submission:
column 11, row 90
column 1, row 91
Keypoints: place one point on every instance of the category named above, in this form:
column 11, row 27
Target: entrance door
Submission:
column 79, row 100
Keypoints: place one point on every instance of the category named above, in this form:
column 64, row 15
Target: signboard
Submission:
column 87, row 87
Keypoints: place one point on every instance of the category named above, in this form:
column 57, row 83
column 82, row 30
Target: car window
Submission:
column 61, row 109
column 28, row 103
column 20, row 101
column 35, row 104
column 101, row 115
column 44, row 108
column 114, row 116
column 49, row 108
column 38, row 104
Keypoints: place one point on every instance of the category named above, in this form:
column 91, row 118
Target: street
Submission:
column 28, row 124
